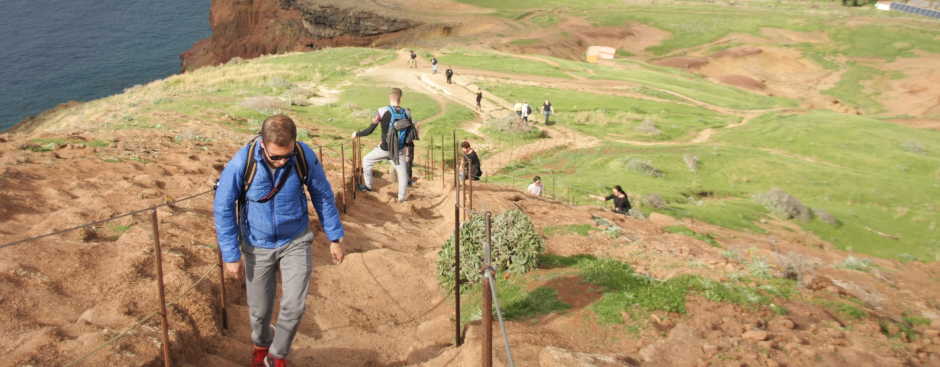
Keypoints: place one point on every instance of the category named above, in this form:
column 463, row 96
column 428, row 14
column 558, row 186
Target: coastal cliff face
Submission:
column 250, row 28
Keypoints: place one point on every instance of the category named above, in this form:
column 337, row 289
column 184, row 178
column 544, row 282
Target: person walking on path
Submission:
column 471, row 163
column 449, row 73
column 263, row 229
column 398, row 136
column 547, row 110
column 479, row 99
column 526, row 111
column 413, row 61
column 536, row 188
column 433, row 65
column 621, row 201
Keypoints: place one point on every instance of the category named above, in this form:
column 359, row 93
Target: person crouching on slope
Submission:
column 398, row 136
column 263, row 228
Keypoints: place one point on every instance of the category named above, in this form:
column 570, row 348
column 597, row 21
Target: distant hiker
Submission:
column 518, row 108
column 526, row 111
column 479, row 99
column 398, row 136
column 261, row 221
column 450, row 74
column 413, row 61
column 547, row 110
column 470, row 164
column 535, row 188
column 621, row 201
column 433, row 65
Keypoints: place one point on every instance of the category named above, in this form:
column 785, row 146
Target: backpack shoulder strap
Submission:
column 251, row 167
column 300, row 161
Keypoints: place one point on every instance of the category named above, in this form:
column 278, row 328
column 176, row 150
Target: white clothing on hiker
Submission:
column 535, row 189
column 525, row 110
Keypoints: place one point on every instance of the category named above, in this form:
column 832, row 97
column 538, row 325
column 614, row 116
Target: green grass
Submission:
column 545, row 20
column 615, row 117
column 50, row 144
column 536, row 4
column 683, row 230
column 844, row 309
column 850, row 166
column 516, row 302
column 851, row 91
column 695, row 25
column 636, row 295
column 455, row 117
column 332, row 64
column 500, row 63
column 525, row 42
column 888, row 43
column 578, row 229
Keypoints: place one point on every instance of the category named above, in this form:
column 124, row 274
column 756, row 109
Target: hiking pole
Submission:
column 342, row 159
column 164, row 324
column 487, row 297
column 222, row 309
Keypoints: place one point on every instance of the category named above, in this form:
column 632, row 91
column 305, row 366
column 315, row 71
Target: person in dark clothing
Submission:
column 547, row 110
column 450, row 74
column 413, row 61
column 471, row 163
column 479, row 99
column 621, row 201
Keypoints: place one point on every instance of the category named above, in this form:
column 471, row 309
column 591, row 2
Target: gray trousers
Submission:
column 261, row 264
column 401, row 169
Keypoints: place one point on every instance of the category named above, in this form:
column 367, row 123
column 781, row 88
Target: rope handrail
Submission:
column 126, row 332
column 102, row 221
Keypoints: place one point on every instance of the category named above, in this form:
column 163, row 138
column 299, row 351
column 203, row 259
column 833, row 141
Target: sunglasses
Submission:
column 280, row 157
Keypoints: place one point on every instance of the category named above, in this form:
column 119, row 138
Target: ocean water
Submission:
column 54, row 51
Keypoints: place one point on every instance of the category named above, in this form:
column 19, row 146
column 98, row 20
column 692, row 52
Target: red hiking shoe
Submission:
column 274, row 362
column 259, row 355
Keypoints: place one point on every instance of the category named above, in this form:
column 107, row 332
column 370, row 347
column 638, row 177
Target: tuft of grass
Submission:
column 579, row 229
column 704, row 237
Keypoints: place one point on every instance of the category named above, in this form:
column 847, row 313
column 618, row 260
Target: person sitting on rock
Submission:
column 536, row 188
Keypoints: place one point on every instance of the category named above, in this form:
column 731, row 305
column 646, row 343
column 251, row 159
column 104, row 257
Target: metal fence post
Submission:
column 443, row 165
column 487, row 296
column 342, row 159
column 164, row 324
column 457, row 339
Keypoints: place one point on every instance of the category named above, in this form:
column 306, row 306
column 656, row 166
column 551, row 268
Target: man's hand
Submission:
column 354, row 134
column 234, row 269
column 338, row 254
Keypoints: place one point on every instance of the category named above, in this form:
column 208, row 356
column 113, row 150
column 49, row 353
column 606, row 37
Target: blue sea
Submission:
column 54, row 51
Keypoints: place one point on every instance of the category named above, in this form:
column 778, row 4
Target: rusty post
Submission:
column 222, row 309
column 487, row 296
column 342, row 159
column 355, row 176
column 164, row 324
column 470, row 202
column 443, row 165
column 458, row 340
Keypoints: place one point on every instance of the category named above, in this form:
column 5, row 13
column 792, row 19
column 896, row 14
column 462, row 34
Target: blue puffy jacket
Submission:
column 276, row 222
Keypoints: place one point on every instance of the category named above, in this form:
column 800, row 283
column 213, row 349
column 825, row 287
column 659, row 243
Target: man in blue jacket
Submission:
column 266, row 228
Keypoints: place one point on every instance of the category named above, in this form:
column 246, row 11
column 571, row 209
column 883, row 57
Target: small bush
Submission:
column 264, row 104
column 648, row 127
column 914, row 147
column 654, row 201
column 516, row 247
column 854, row 263
column 826, row 217
column 691, row 161
column 645, row 167
column 612, row 230
column 784, row 205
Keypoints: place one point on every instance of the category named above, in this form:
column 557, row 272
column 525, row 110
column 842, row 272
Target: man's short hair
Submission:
column 396, row 92
column 465, row 144
column 537, row 179
column 279, row 130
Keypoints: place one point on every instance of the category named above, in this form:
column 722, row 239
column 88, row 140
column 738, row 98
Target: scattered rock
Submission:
column 784, row 205
column 709, row 349
column 648, row 127
column 554, row 356
column 755, row 335
column 781, row 324
column 643, row 166
column 654, row 201
column 636, row 214
column 818, row 282
column 826, row 217
column 264, row 104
